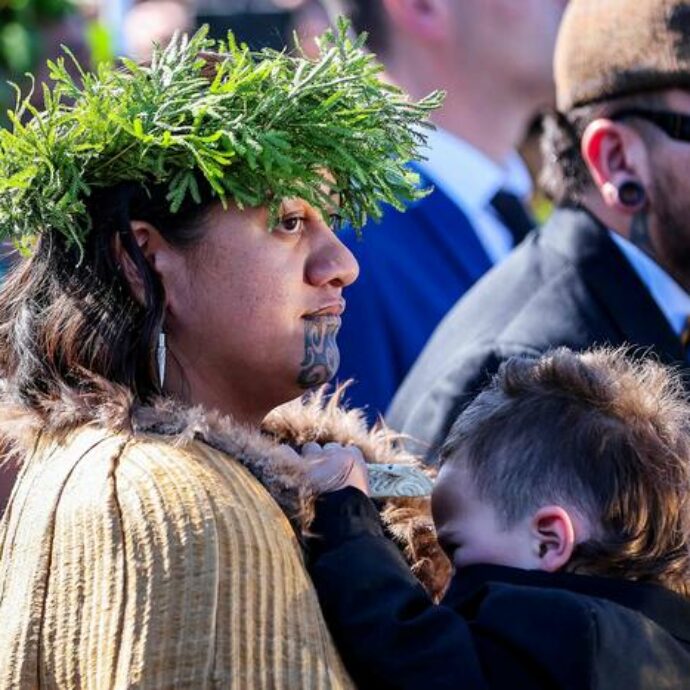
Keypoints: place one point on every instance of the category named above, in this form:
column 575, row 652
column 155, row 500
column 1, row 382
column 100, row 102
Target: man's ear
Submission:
column 553, row 537
column 150, row 243
column 425, row 19
column 615, row 155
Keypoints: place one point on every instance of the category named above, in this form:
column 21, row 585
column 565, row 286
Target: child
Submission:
column 562, row 501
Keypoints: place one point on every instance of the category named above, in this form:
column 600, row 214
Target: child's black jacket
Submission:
column 497, row 628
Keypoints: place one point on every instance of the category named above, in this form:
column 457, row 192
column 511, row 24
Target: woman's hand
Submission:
column 333, row 467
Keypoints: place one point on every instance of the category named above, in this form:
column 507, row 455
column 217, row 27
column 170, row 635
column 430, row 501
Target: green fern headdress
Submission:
column 263, row 128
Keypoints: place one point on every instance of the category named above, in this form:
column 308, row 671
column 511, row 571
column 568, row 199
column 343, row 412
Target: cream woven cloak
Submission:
column 151, row 549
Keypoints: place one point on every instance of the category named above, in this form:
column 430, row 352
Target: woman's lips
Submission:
column 332, row 309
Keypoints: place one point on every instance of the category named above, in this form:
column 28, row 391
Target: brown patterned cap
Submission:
column 612, row 48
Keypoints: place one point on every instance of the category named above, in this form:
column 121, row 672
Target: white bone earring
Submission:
column 160, row 358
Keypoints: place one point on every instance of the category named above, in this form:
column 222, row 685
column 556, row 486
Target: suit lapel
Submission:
column 449, row 220
column 614, row 283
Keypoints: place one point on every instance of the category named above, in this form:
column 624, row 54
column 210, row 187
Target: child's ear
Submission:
column 553, row 537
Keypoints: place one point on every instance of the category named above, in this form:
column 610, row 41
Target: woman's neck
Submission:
column 194, row 386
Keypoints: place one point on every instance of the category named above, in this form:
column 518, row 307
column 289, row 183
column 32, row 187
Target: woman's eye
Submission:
column 292, row 225
column 336, row 221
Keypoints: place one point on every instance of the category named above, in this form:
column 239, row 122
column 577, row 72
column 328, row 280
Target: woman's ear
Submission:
column 553, row 537
column 615, row 156
column 150, row 243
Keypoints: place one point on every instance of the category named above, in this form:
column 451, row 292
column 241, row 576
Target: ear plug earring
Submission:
column 631, row 194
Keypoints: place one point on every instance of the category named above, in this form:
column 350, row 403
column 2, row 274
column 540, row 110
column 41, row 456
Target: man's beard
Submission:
column 672, row 216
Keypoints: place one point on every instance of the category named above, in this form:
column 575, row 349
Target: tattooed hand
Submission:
column 321, row 355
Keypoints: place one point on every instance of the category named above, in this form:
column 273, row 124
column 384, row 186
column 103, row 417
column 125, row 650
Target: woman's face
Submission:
column 252, row 315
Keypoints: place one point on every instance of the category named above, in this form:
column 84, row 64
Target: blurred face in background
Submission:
column 309, row 22
column 154, row 21
column 513, row 38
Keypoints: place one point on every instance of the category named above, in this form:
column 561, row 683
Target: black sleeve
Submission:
column 387, row 629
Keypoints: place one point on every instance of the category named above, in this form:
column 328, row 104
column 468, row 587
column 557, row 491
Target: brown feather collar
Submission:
column 316, row 417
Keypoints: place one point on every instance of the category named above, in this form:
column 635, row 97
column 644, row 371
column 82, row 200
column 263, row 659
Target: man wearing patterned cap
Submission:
column 612, row 266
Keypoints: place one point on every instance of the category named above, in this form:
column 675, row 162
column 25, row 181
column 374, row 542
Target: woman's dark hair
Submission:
column 69, row 320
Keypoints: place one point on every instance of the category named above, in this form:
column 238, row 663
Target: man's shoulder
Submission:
column 538, row 298
column 549, row 253
column 507, row 309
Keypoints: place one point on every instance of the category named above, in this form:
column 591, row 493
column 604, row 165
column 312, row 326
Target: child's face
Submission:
column 469, row 529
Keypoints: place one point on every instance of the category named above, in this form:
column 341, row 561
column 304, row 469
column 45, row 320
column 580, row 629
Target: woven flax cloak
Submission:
column 157, row 560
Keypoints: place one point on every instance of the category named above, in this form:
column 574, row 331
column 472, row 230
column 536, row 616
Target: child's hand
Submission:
column 333, row 467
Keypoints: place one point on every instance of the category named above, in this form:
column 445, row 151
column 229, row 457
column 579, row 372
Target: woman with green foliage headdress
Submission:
column 181, row 279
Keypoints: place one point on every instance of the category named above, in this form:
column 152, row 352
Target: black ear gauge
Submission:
column 631, row 194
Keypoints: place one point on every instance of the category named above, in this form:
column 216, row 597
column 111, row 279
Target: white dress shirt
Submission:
column 670, row 297
column 470, row 179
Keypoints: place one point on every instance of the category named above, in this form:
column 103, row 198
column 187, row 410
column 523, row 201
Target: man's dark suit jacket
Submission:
column 413, row 268
column 497, row 628
column 568, row 284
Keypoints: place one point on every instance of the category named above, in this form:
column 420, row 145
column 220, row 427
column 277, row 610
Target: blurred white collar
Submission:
column 671, row 298
column 469, row 177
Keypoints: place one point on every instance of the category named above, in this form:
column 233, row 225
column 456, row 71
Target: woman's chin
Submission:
column 321, row 357
column 317, row 377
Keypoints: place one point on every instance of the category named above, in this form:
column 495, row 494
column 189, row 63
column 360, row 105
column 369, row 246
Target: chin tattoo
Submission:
column 321, row 355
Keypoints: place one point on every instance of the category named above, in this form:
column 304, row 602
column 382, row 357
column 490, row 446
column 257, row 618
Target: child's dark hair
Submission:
column 600, row 432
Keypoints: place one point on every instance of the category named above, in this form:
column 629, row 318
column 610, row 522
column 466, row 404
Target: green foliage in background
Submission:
column 264, row 129
column 20, row 31
column 30, row 32
column 99, row 42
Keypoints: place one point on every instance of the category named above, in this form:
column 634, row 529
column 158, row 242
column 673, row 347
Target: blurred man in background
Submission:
column 155, row 21
column 612, row 266
column 494, row 60
column 309, row 21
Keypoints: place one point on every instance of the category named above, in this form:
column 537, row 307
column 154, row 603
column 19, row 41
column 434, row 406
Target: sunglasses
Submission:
column 675, row 125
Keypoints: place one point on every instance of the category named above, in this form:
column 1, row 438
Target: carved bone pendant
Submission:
column 389, row 481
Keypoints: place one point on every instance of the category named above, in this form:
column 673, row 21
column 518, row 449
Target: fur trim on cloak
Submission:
column 316, row 417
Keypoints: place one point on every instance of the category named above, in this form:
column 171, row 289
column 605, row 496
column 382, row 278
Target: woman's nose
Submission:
column 331, row 262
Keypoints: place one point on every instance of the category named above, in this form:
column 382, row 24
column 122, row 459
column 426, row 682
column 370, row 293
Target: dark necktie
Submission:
column 513, row 214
